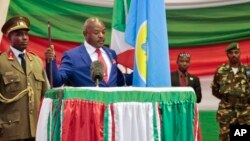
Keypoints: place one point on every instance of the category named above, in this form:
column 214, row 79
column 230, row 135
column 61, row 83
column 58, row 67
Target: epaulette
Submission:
column 30, row 56
column 32, row 53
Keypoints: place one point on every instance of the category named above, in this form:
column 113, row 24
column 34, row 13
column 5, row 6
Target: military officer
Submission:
column 23, row 83
column 230, row 85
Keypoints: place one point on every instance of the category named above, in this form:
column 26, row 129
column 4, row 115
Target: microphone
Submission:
column 97, row 71
column 248, row 72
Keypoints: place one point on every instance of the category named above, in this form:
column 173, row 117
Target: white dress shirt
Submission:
column 93, row 55
column 16, row 53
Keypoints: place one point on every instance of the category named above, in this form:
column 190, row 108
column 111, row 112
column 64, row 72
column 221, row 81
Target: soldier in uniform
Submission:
column 23, row 83
column 230, row 85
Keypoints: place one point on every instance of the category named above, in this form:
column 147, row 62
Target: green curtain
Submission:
column 188, row 27
column 177, row 121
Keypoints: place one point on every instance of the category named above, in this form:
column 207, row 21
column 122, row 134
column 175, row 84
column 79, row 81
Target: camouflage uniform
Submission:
column 233, row 91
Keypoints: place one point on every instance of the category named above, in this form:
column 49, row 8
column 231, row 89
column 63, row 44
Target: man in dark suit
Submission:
column 76, row 62
column 23, row 83
column 182, row 78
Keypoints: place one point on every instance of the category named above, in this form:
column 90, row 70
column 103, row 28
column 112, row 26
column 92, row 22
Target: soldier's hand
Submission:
column 50, row 53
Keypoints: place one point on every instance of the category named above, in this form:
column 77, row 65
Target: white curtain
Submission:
column 42, row 125
column 170, row 4
column 4, row 6
column 133, row 121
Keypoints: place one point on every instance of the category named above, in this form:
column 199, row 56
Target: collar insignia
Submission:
column 11, row 56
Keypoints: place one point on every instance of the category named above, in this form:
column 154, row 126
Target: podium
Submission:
column 117, row 114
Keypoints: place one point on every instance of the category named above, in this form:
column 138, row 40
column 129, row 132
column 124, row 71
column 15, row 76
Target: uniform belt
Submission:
column 236, row 100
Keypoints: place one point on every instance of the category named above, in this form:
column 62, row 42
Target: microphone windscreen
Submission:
column 97, row 70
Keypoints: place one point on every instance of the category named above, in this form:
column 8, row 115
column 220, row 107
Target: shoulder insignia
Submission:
column 29, row 55
column 32, row 53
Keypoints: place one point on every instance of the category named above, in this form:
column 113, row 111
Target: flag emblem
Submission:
column 141, row 51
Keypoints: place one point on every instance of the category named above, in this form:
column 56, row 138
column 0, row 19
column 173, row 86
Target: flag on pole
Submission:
column 117, row 43
column 146, row 31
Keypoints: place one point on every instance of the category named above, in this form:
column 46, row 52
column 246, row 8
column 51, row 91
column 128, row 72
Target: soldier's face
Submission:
column 95, row 34
column 19, row 39
column 183, row 63
column 233, row 56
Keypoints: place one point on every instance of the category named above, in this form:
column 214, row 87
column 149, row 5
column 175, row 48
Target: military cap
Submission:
column 232, row 46
column 15, row 23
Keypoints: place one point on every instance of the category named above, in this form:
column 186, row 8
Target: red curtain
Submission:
column 204, row 59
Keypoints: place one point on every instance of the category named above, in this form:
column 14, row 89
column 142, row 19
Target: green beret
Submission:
column 232, row 46
column 15, row 23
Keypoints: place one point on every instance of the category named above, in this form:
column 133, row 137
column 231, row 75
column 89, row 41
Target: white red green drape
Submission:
column 118, row 114
column 201, row 27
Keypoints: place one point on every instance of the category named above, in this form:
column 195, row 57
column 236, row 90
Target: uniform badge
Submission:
column 113, row 61
column 10, row 56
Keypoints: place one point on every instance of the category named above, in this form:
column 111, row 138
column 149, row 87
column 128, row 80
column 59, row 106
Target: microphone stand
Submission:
column 97, row 83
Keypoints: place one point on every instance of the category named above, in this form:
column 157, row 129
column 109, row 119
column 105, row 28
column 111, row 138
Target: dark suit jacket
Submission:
column 193, row 81
column 75, row 69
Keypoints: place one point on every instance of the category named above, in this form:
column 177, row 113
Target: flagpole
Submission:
column 125, row 9
column 50, row 61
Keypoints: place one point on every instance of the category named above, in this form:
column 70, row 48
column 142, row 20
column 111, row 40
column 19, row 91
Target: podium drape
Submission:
column 118, row 114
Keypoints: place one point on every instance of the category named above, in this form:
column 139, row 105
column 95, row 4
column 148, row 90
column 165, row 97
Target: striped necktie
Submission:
column 183, row 81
